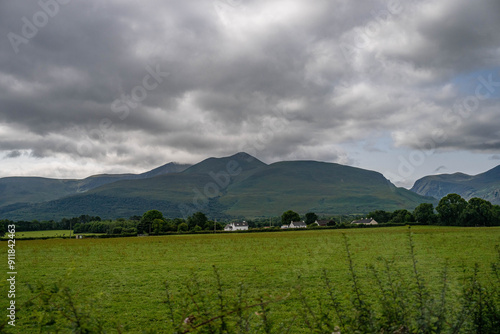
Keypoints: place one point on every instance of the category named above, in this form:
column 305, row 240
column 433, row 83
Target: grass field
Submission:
column 124, row 278
column 46, row 234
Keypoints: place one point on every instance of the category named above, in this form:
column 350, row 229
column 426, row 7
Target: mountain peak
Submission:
column 239, row 160
column 171, row 167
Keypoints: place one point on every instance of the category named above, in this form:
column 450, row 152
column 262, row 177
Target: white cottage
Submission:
column 365, row 221
column 297, row 225
column 240, row 226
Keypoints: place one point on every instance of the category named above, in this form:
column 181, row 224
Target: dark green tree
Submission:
column 450, row 209
column 496, row 215
column 478, row 212
column 402, row 217
column 183, row 227
column 424, row 213
column 158, row 225
column 3, row 228
column 381, row 216
column 147, row 220
column 151, row 215
column 210, row 225
column 311, row 217
column 289, row 216
column 198, row 218
column 141, row 227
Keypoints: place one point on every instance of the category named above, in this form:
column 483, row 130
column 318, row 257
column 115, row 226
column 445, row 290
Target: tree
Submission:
column 151, row 215
column 496, row 215
column 381, row 216
column 157, row 225
column 331, row 222
column 198, row 218
column 147, row 220
column 424, row 213
column 311, row 217
column 478, row 212
column 289, row 216
column 183, row 227
column 401, row 217
column 450, row 209
column 3, row 229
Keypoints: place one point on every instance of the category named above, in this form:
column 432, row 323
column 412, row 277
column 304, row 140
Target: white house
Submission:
column 240, row 226
column 297, row 225
column 365, row 221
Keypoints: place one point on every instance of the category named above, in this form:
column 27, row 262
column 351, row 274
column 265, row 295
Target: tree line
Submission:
column 151, row 222
column 452, row 210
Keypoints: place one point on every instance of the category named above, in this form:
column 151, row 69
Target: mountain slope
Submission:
column 485, row 185
column 315, row 186
column 235, row 186
column 37, row 189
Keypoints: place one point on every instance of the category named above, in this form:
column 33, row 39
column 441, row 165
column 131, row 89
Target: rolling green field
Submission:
column 123, row 279
column 47, row 234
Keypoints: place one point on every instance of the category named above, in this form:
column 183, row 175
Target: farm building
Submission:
column 365, row 221
column 297, row 225
column 325, row 222
column 240, row 226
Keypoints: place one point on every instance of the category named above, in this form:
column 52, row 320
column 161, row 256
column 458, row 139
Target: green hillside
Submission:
column 29, row 190
column 324, row 188
column 34, row 189
column 236, row 186
column 485, row 185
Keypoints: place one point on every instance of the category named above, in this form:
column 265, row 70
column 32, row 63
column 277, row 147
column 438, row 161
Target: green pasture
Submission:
column 123, row 279
column 46, row 234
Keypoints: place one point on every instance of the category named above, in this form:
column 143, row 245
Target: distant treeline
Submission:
column 452, row 210
column 63, row 224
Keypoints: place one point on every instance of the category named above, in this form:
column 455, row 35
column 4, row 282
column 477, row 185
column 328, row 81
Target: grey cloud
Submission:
column 235, row 68
column 13, row 154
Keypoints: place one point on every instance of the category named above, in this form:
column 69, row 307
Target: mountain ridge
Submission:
column 485, row 185
column 33, row 189
column 235, row 186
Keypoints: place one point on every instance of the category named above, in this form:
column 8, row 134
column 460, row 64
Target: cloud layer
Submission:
column 122, row 83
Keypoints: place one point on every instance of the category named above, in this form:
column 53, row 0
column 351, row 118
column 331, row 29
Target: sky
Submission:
column 406, row 88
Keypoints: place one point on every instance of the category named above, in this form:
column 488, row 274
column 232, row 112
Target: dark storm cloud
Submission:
column 13, row 154
column 282, row 79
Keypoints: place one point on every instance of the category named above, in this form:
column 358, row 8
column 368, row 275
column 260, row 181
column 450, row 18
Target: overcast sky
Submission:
column 406, row 88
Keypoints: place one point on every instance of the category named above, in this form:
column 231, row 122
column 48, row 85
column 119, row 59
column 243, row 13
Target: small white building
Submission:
column 365, row 221
column 284, row 226
column 301, row 224
column 240, row 226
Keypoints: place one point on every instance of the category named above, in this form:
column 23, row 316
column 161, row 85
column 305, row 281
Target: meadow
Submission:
column 139, row 284
column 44, row 234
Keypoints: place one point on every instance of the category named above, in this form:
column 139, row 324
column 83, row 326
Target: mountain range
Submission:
column 485, row 185
column 15, row 190
column 231, row 187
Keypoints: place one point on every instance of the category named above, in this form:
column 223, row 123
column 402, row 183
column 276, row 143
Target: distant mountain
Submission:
column 485, row 185
column 37, row 189
column 235, row 186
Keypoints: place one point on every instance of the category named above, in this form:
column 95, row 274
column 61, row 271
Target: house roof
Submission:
column 240, row 224
column 365, row 221
column 298, row 224
column 324, row 222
